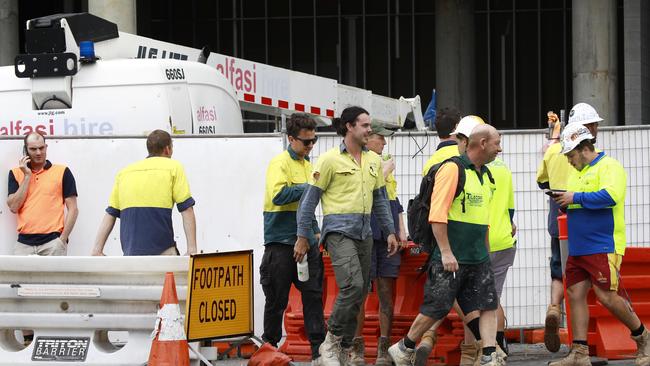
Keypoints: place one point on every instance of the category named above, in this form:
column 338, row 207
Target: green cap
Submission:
column 381, row 130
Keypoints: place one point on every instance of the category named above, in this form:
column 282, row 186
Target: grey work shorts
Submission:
column 501, row 262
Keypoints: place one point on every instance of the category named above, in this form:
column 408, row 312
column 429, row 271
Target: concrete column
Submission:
column 595, row 79
column 455, row 63
column 637, row 60
column 8, row 31
column 120, row 12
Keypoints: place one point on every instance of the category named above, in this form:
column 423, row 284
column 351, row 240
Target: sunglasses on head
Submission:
column 307, row 142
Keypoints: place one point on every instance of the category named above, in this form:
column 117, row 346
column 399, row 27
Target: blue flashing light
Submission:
column 87, row 50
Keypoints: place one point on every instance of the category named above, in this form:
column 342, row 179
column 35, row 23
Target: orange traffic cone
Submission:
column 169, row 346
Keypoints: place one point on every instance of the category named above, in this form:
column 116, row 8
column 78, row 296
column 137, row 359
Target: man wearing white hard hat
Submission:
column 464, row 130
column 594, row 201
column 552, row 174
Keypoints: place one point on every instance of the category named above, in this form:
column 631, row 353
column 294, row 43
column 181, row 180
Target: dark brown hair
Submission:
column 157, row 141
column 446, row 121
column 349, row 115
column 299, row 121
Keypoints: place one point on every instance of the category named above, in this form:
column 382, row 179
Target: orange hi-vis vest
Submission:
column 43, row 210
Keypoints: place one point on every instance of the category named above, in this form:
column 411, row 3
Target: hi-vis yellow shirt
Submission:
column 502, row 207
column 446, row 150
column 286, row 180
column 554, row 169
column 349, row 192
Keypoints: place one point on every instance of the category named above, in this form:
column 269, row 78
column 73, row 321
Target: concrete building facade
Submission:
column 507, row 60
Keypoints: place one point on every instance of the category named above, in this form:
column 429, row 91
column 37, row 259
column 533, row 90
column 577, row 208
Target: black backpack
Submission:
column 418, row 208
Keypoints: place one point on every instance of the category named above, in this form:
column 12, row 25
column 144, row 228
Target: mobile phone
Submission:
column 25, row 150
column 551, row 193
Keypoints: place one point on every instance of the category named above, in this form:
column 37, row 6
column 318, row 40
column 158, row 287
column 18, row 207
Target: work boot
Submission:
column 425, row 347
column 383, row 358
column 501, row 353
column 552, row 328
column 330, row 350
column 492, row 360
column 578, row 356
column 401, row 355
column 357, row 352
column 468, row 354
column 643, row 349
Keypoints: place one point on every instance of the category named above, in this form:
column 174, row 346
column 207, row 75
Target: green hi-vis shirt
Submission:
column 468, row 216
column 502, row 207
column 286, row 180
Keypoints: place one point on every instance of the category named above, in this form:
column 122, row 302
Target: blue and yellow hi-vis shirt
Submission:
column 286, row 180
column 596, row 219
column 143, row 196
column 349, row 192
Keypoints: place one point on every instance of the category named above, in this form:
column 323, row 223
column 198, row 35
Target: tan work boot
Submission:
column 423, row 350
column 501, row 353
column 552, row 328
column 383, row 358
column 492, row 360
column 578, row 356
column 468, row 354
column 357, row 352
column 643, row 349
column 330, row 350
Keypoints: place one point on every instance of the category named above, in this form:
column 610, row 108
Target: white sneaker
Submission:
column 401, row 355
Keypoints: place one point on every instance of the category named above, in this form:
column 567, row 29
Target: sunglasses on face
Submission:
column 307, row 142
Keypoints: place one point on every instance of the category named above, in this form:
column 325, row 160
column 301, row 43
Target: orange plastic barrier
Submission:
column 408, row 297
column 608, row 337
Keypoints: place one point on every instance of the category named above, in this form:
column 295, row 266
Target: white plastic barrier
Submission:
column 71, row 304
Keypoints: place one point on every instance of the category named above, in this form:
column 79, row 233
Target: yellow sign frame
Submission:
column 210, row 270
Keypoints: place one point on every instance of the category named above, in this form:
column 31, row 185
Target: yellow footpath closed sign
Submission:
column 220, row 295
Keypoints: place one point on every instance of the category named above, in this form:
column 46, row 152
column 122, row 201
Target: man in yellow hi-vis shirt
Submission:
column 501, row 235
column 349, row 183
column 286, row 180
column 143, row 197
column 446, row 121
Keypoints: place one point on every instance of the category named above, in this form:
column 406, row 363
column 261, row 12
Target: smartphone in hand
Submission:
column 552, row 193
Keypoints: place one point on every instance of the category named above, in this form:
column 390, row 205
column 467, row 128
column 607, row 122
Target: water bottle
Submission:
column 303, row 269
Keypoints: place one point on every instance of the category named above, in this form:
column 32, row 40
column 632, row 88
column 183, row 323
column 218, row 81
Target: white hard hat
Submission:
column 583, row 114
column 467, row 124
column 573, row 135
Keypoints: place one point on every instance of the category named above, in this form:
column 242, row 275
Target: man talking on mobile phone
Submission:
column 39, row 194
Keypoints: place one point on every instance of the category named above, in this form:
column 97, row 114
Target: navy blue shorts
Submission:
column 381, row 265
column 556, row 260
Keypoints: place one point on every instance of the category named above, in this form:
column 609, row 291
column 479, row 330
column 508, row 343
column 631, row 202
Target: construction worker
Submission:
column 552, row 174
column 502, row 236
column 286, row 180
column 143, row 196
column 470, row 349
column 460, row 268
column 594, row 201
column 384, row 270
column 349, row 183
column 40, row 193
column 446, row 121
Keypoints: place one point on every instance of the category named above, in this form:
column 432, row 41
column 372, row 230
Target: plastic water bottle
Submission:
column 303, row 269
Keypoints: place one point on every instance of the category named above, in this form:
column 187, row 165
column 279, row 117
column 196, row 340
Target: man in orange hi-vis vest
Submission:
column 39, row 193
